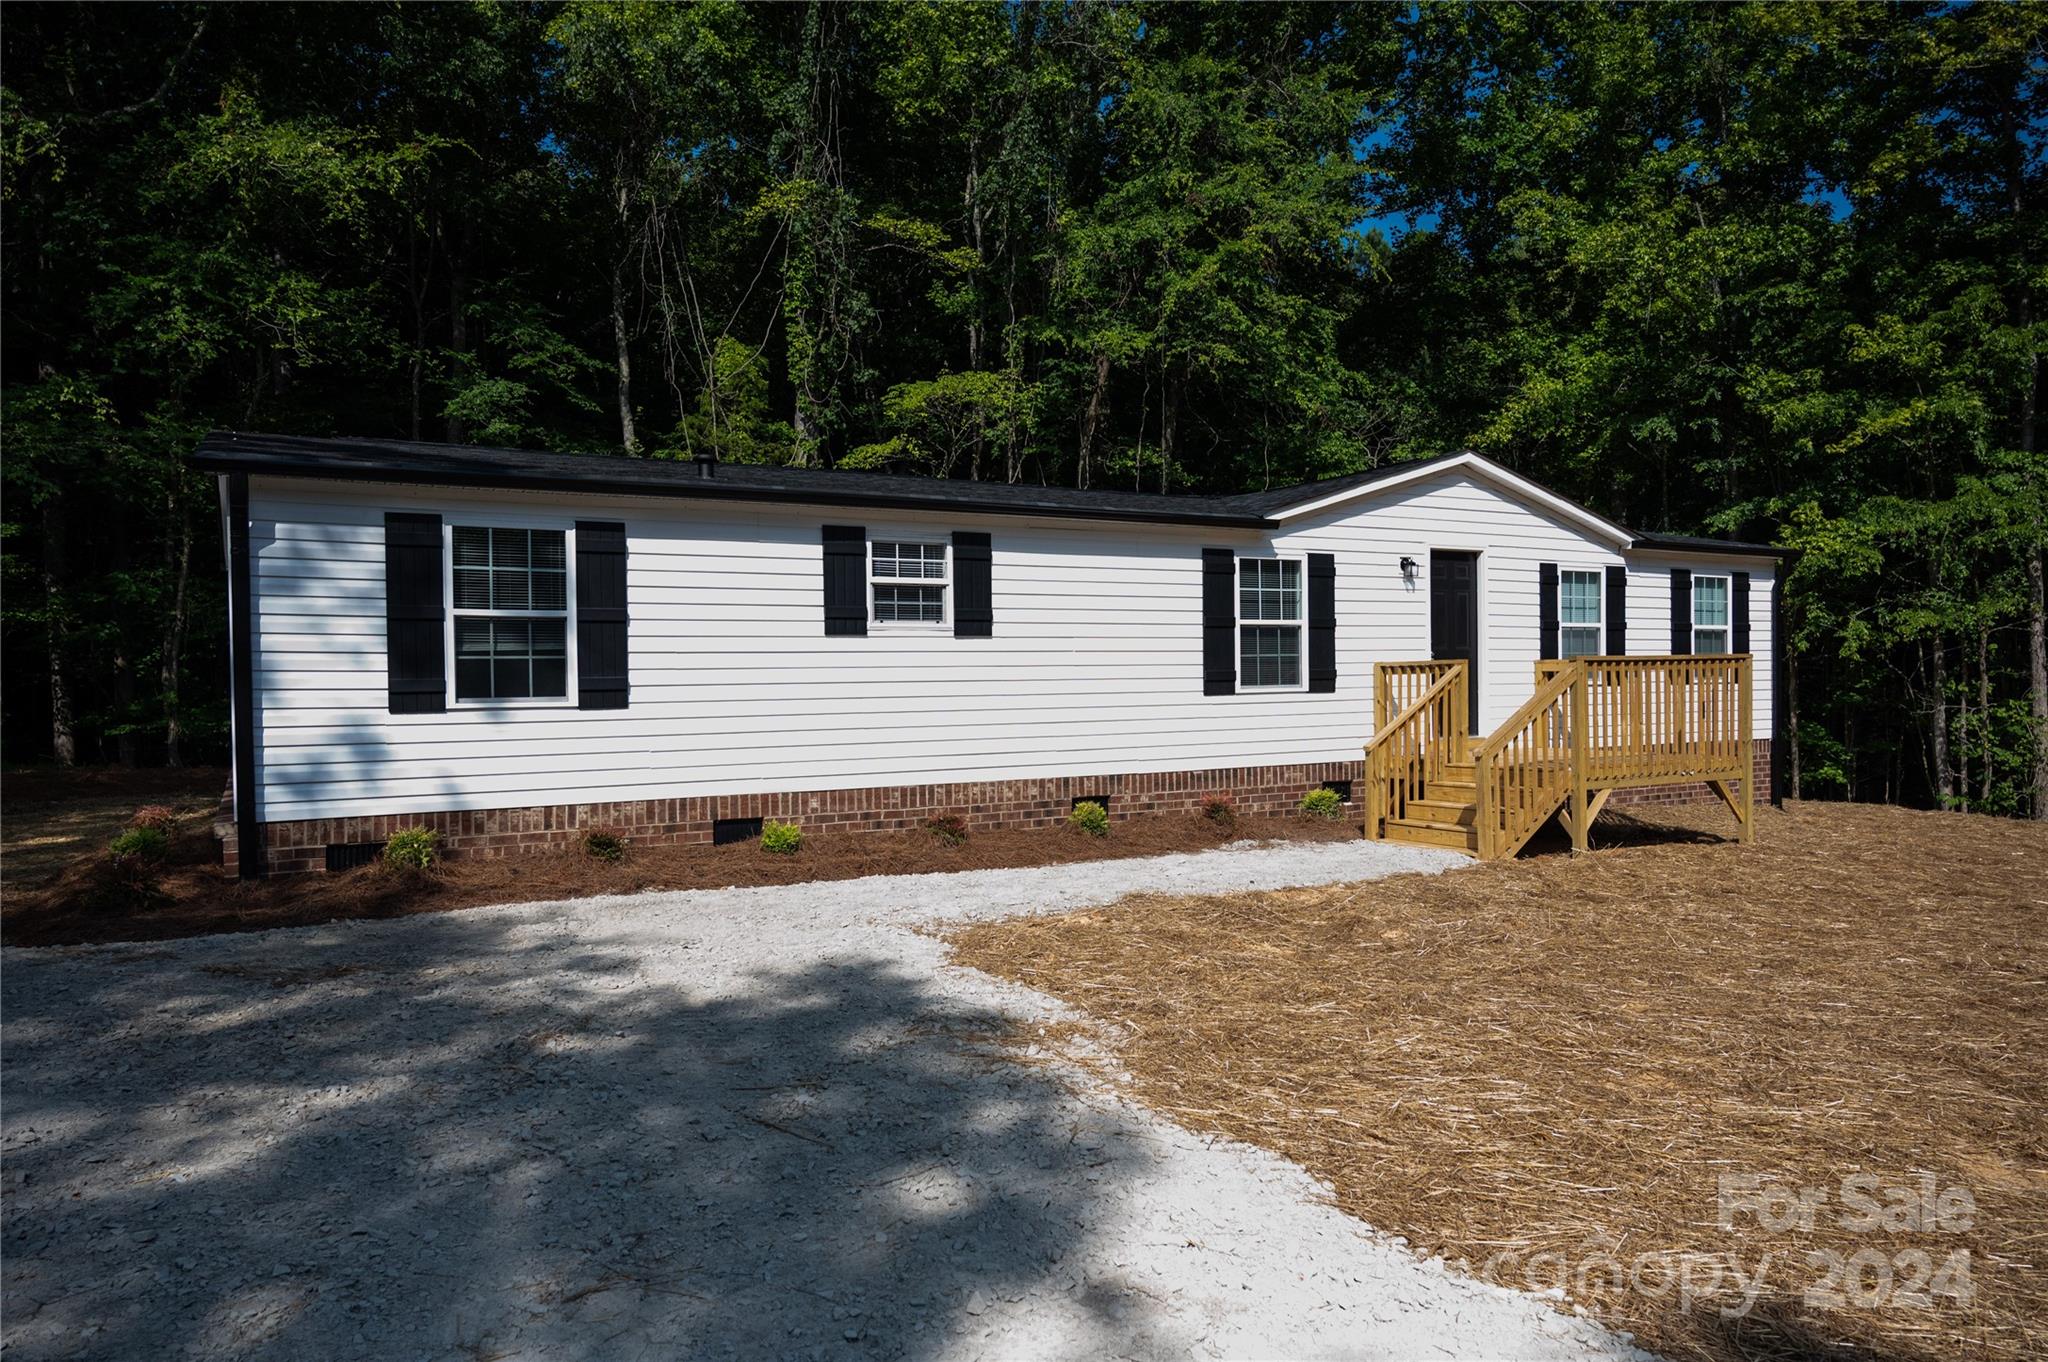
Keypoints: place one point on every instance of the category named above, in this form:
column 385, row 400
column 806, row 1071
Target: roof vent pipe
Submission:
column 706, row 461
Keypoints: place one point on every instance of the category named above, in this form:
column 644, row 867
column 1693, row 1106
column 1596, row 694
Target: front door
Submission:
column 1454, row 616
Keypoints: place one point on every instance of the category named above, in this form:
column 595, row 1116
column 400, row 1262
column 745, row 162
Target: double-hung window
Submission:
column 1578, row 614
column 511, row 616
column 1269, row 622
column 1710, row 614
column 908, row 581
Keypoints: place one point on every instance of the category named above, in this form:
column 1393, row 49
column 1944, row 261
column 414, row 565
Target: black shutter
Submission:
column 601, row 668
column 1739, row 606
column 1322, row 622
column 1681, row 610
column 846, row 580
column 1546, row 609
column 974, row 614
column 415, row 633
column 1219, row 622
column 1617, row 611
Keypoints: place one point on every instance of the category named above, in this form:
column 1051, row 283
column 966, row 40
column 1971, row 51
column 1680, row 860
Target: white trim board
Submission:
column 1477, row 466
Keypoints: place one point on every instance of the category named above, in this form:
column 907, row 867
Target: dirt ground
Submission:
column 1602, row 1076
column 49, row 819
column 64, row 890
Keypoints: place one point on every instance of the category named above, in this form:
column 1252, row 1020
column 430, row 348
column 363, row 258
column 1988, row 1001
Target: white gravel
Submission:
column 750, row 1123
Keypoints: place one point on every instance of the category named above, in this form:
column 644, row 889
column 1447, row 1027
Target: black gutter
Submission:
column 609, row 483
column 242, row 647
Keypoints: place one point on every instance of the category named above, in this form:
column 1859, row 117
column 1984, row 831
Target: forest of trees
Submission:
column 1760, row 271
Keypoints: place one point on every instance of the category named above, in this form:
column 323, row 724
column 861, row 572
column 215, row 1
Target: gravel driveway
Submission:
column 753, row 1123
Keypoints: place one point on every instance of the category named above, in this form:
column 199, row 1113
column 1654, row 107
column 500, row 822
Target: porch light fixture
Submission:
column 1408, row 566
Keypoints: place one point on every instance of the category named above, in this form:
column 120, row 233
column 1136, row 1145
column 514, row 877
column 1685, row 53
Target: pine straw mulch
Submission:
column 88, row 900
column 1559, row 1057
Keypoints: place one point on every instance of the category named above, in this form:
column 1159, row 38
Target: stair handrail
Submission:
column 1415, row 746
column 1531, row 763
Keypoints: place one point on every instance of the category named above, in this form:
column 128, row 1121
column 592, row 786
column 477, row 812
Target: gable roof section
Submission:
column 396, row 461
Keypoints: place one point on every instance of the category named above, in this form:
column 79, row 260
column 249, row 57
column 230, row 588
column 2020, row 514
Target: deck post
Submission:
column 1581, row 758
column 1745, row 725
column 1372, row 796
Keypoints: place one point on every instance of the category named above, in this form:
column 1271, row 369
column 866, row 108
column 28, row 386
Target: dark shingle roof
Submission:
column 364, row 460
column 471, row 466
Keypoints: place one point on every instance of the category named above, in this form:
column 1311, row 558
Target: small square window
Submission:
column 908, row 582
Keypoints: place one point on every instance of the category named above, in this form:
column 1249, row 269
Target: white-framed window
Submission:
column 1269, row 623
column 907, row 581
column 1710, row 614
column 1578, row 613
column 509, row 626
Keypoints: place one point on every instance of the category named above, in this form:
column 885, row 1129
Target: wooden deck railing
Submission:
column 1599, row 724
column 1665, row 718
column 1396, row 686
column 1424, row 735
column 1527, row 768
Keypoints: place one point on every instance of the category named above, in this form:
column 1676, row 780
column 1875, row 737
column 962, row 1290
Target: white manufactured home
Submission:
column 513, row 647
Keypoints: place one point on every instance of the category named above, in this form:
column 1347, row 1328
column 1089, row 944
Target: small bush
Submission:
column 1091, row 818
column 781, row 838
column 412, row 848
column 1322, row 804
column 139, row 846
column 605, row 844
column 949, row 828
column 159, row 816
column 1219, row 809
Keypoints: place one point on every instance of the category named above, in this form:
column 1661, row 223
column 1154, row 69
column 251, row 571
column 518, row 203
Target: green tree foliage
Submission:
column 1765, row 271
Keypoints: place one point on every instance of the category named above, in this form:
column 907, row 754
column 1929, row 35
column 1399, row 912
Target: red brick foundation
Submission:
column 1696, row 792
column 299, row 847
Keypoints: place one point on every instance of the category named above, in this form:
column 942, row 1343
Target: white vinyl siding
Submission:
column 1095, row 669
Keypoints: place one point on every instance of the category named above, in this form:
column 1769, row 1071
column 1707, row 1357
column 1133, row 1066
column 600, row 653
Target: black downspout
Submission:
column 241, row 641
column 1778, row 752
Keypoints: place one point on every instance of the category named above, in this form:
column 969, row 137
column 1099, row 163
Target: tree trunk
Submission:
column 1942, row 776
column 1962, row 733
column 1984, row 712
column 623, row 341
column 174, row 633
column 63, row 732
column 2037, row 665
column 1091, row 420
column 1792, row 722
column 1169, row 425
column 458, row 332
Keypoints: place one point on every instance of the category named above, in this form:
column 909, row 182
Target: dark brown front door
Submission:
column 1454, row 616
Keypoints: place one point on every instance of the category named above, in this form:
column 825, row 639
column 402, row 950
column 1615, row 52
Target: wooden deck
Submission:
column 1592, row 725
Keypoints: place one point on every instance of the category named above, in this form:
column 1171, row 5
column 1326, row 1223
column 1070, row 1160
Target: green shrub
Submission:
column 1218, row 809
column 1091, row 818
column 1324, row 803
column 605, row 844
column 949, row 828
column 412, row 848
column 139, row 846
column 159, row 816
column 781, row 838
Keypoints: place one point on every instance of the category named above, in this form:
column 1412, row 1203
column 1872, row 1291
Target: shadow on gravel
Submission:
column 467, row 1140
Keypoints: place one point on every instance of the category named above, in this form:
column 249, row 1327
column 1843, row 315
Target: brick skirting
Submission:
column 299, row 847
column 1697, row 791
